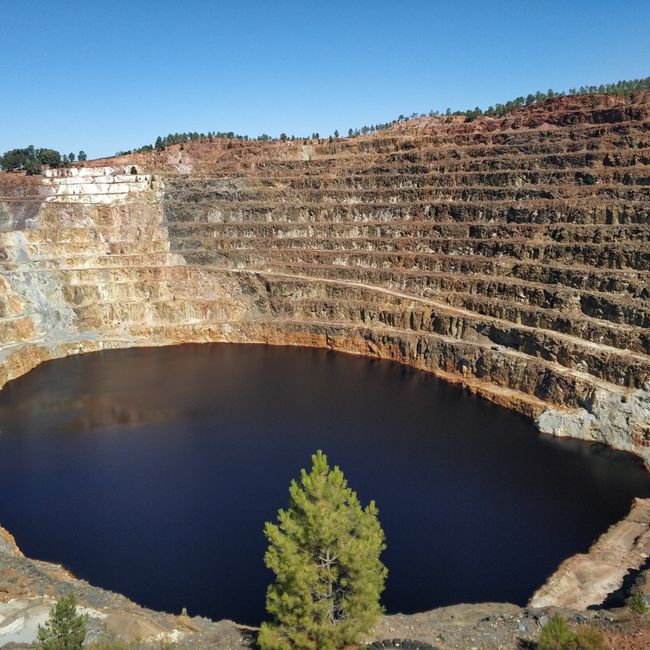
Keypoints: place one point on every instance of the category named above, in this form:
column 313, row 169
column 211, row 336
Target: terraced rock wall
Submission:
column 510, row 255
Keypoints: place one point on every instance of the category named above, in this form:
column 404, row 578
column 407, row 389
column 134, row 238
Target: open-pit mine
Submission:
column 509, row 255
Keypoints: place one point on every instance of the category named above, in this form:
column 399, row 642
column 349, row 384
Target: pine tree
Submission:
column 324, row 552
column 64, row 629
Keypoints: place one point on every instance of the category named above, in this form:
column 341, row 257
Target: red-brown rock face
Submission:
column 510, row 255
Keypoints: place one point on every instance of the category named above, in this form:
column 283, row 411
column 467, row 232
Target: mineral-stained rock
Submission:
column 510, row 255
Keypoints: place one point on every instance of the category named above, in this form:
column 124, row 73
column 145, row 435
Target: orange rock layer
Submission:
column 510, row 255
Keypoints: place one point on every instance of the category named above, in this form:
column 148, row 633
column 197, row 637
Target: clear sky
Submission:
column 107, row 75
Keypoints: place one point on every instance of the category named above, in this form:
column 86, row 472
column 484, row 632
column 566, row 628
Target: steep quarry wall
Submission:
column 510, row 255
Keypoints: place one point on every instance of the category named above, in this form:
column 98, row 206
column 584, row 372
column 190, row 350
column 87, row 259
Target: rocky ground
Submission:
column 499, row 626
column 28, row 588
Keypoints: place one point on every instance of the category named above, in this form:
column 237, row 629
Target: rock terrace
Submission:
column 506, row 254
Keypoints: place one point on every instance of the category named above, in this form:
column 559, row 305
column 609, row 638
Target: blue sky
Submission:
column 108, row 75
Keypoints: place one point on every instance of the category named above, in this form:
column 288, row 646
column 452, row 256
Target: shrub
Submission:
column 589, row 637
column 637, row 602
column 557, row 635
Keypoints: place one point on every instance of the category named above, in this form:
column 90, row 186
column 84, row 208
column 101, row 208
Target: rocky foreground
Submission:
column 579, row 590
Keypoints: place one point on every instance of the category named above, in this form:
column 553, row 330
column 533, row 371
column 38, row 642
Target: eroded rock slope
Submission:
column 507, row 254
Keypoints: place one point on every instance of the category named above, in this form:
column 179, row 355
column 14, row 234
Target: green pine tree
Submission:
column 64, row 629
column 324, row 552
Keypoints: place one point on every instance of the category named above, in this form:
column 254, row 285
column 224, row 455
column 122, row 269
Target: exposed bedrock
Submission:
column 509, row 255
column 587, row 579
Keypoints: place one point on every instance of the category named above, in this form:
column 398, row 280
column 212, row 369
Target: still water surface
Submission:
column 152, row 471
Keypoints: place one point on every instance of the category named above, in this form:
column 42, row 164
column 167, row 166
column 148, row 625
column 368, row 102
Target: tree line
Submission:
column 32, row 160
column 624, row 88
column 621, row 88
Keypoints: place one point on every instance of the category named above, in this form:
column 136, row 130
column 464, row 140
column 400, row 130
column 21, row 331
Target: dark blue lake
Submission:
column 151, row 472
